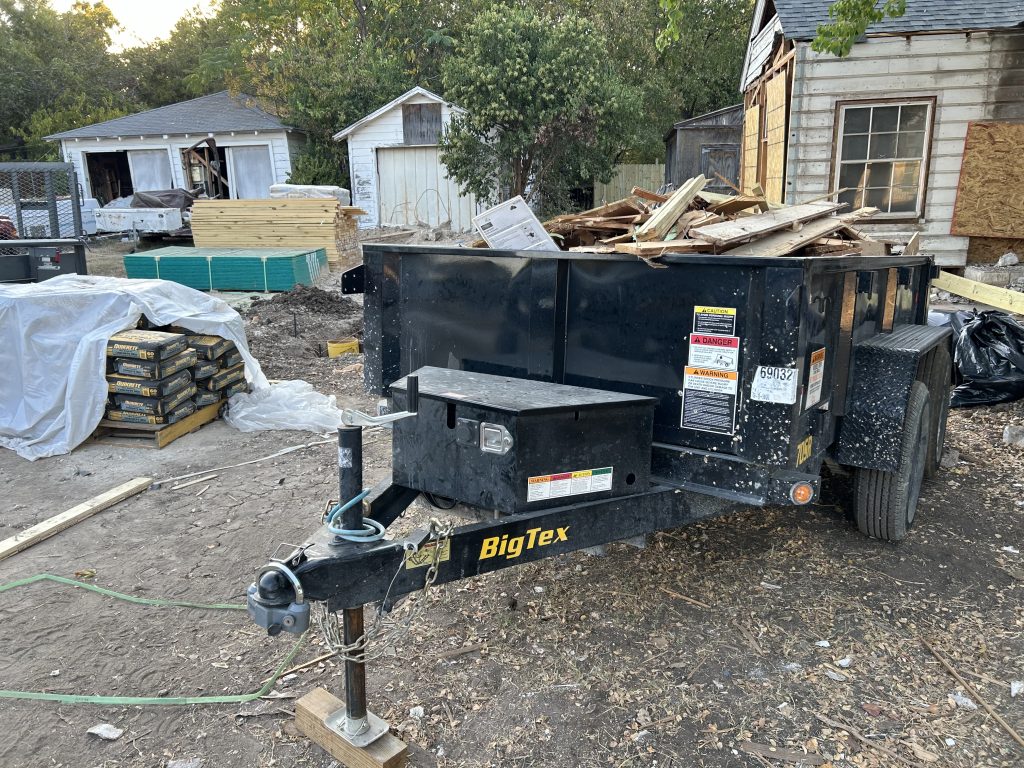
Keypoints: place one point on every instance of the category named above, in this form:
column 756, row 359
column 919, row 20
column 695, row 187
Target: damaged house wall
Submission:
column 887, row 122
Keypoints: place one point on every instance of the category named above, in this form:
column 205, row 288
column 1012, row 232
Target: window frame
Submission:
column 837, row 150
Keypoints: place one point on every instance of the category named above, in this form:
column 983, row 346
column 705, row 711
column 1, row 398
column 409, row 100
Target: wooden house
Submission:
column 886, row 125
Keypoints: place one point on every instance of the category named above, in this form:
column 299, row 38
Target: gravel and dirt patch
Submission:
column 743, row 641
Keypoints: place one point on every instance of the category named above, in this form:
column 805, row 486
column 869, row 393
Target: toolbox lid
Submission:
column 512, row 395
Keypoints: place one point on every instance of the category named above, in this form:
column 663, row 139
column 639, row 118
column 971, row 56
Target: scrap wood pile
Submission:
column 279, row 223
column 691, row 220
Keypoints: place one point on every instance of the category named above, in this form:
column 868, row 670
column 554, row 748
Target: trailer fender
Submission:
column 883, row 370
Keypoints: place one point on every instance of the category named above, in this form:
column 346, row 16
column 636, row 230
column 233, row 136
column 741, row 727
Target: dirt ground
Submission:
column 741, row 641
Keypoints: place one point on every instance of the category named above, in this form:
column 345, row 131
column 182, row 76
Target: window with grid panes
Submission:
column 882, row 156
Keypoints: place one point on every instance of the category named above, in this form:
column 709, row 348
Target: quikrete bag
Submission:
column 129, row 417
column 223, row 377
column 210, row 347
column 204, row 369
column 232, row 358
column 157, row 406
column 146, row 345
column 155, row 369
column 132, row 385
column 205, row 397
column 234, row 389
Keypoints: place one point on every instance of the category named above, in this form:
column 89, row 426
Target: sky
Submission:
column 143, row 20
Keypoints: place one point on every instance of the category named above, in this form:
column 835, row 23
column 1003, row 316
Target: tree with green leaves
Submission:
column 56, row 71
column 849, row 19
column 545, row 110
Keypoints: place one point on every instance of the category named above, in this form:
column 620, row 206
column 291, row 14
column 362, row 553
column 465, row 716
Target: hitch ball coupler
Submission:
column 270, row 601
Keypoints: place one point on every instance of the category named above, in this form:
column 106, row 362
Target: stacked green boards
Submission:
column 230, row 269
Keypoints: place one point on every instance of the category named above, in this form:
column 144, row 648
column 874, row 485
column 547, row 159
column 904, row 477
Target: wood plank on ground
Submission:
column 313, row 709
column 734, row 232
column 1011, row 301
column 57, row 523
column 785, row 242
column 665, row 217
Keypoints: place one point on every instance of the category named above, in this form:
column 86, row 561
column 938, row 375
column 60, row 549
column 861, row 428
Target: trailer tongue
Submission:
column 578, row 399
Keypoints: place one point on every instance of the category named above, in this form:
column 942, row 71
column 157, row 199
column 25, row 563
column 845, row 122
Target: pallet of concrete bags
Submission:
column 166, row 382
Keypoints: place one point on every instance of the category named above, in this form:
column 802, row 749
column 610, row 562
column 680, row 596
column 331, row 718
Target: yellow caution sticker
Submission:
column 424, row 556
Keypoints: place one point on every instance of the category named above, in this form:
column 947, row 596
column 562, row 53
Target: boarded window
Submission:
column 718, row 162
column 882, row 156
column 421, row 123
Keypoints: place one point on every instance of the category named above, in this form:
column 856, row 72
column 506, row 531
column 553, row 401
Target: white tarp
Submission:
column 311, row 191
column 53, row 342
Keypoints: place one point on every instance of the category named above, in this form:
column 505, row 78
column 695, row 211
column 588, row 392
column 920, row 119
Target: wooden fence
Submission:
column 629, row 175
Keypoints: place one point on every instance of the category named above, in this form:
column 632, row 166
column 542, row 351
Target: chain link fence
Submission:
column 39, row 201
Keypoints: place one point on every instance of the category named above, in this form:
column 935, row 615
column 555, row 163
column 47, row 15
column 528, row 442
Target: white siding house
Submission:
column 887, row 123
column 143, row 152
column 397, row 175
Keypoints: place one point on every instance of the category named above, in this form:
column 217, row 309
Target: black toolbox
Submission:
column 515, row 445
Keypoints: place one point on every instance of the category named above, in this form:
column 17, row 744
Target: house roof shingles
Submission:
column 216, row 113
column 800, row 18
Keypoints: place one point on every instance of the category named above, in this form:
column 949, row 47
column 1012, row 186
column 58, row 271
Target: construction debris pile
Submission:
column 691, row 220
column 280, row 223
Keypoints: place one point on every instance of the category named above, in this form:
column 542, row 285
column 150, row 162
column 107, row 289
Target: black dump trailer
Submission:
column 579, row 399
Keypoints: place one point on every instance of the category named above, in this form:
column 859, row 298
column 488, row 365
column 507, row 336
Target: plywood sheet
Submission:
column 751, row 130
column 776, row 103
column 990, row 196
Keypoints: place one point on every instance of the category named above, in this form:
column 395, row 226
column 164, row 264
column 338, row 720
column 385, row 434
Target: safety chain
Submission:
column 384, row 632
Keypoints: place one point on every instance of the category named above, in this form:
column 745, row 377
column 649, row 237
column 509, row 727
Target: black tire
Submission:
column 937, row 376
column 886, row 502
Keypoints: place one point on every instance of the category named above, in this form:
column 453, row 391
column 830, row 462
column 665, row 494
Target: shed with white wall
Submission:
column 397, row 175
column 143, row 152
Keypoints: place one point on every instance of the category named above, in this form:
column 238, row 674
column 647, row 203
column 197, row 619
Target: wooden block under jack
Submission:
column 311, row 713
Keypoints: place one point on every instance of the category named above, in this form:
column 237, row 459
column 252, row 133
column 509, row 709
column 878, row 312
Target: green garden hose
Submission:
column 131, row 701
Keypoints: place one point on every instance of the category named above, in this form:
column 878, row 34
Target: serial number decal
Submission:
column 774, row 385
column 512, row 547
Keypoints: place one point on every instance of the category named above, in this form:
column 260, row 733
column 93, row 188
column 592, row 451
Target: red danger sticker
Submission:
column 725, row 342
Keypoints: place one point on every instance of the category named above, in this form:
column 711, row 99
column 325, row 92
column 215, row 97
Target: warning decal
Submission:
column 569, row 484
column 709, row 400
column 816, row 377
column 716, row 320
column 710, row 351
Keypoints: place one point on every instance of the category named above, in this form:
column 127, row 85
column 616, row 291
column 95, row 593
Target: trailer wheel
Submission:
column 937, row 377
column 886, row 502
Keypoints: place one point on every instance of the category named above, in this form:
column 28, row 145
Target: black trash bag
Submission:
column 988, row 351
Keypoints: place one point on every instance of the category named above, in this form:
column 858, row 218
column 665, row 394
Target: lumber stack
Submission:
column 690, row 220
column 281, row 223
